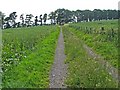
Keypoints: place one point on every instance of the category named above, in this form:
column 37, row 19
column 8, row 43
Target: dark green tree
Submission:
column 7, row 22
column 22, row 18
column 36, row 20
column 28, row 21
column 41, row 19
column 53, row 17
column 12, row 17
column 45, row 18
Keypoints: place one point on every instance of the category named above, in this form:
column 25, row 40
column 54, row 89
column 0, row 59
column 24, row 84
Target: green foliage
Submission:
column 104, row 42
column 83, row 71
column 18, row 43
column 32, row 71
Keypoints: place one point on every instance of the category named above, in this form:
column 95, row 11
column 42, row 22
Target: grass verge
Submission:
column 83, row 71
column 103, row 42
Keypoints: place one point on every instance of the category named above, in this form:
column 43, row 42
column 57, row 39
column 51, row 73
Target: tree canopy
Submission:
column 59, row 16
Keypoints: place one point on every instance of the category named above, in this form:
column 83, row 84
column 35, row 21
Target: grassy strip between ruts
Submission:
column 33, row 71
column 100, row 43
column 107, row 50
column 83, row 71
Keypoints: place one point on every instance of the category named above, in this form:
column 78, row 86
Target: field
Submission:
column 102, row 37
column 91, row 50
column 85, row 69
column 28, row 54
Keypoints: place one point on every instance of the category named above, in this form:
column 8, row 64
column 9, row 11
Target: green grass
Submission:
column 18, row 43
column 33, row 71
column 28, row 54
column 102, row 42
column 83, row 71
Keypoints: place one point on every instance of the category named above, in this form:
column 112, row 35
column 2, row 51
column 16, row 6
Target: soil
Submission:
column 59, row 68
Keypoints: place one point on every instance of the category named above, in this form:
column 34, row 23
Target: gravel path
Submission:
column 59, row 68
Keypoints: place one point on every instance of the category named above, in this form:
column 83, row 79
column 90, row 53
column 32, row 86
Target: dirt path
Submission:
column 109, row 68
column 105, row 64
column 59, row 69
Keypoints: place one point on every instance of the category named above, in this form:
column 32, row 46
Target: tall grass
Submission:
column 83, row 70
column 33, row 70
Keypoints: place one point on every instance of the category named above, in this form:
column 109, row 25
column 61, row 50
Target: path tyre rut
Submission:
column 59, row 68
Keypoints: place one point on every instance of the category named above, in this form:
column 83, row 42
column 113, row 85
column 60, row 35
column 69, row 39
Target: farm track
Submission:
column 59, row 68
column 106, row 65
column 109, row 68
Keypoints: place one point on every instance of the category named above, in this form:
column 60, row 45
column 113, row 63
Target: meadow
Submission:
column 85, row 71
column 28, row 54
column 101, row 36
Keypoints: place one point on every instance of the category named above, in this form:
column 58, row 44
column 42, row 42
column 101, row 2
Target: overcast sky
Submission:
column 37, row 7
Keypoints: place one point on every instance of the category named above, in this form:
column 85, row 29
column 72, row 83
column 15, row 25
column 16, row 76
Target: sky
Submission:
column 37, row 7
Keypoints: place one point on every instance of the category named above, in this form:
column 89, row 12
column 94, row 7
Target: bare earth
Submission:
column 59, row 68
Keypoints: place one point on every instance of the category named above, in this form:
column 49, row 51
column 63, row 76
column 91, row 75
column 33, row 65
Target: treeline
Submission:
column 59, row 16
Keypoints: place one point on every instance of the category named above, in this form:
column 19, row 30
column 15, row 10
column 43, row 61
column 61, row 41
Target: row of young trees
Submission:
column 59, row 16
column 10, row 21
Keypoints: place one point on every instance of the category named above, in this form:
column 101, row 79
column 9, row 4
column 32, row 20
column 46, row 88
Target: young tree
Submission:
column 22, row 18
column 53, row 17
column 45, row 18
column 50, row 17
column 12, row 17
column 28, row 21
column 41, row 19
column 36, row 20
column 7, row 22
